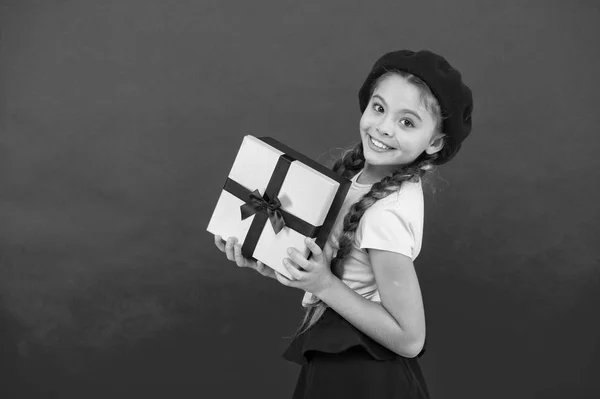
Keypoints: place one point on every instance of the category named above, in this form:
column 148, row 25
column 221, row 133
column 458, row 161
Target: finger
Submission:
column 229, row 248
column 314, row 248
column 282, row 279
column 293, row 269
column 299, row 260
column 239, row 258
column 261, row 268
column 335, row 242
column 220, row 243
column 328, row 251
column 265, row 270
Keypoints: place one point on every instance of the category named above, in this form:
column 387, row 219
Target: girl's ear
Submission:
column 436, row 144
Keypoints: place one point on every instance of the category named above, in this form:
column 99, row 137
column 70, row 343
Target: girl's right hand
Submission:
column 233, row 250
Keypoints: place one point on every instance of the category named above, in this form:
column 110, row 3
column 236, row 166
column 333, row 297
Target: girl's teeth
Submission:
column 379, row 144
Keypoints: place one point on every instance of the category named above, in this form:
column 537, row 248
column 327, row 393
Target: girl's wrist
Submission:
column 328, row 284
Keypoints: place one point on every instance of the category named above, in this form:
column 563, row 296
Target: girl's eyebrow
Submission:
column 402, row 110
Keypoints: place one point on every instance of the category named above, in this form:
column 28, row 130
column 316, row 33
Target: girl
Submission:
column 364, row 326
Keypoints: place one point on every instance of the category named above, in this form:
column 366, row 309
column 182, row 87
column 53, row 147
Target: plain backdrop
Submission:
column 120, row 119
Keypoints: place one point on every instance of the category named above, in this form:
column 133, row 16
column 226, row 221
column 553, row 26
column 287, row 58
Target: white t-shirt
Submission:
column 394, row 223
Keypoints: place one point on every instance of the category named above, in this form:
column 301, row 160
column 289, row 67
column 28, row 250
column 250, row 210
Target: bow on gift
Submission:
column 258, row 203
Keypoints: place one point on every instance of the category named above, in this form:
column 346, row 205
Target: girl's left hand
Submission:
column 316, row 275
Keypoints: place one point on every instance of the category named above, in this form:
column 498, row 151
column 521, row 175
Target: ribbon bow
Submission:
column 258, row 203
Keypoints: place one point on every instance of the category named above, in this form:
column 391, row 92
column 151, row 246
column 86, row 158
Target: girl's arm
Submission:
column 398, row 323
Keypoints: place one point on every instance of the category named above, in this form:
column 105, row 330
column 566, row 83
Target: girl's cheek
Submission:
column 365, row 122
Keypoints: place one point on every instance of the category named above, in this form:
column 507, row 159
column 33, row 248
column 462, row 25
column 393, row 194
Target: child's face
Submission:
column 395, row 118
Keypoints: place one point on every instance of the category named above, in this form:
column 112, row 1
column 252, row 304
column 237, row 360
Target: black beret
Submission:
column 445, row 82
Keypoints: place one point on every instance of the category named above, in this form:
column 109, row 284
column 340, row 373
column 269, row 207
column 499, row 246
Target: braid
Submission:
column 388, row 185
column 351, row 162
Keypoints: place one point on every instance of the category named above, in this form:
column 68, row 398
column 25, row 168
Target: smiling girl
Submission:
column 364, row 326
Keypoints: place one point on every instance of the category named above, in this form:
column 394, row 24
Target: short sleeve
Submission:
column 393, row 226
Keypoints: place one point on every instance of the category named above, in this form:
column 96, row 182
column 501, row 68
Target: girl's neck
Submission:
column 372, row 174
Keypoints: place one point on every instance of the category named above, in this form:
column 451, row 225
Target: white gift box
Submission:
column 292, row 188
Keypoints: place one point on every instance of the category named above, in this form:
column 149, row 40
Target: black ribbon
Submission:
column 258, row 203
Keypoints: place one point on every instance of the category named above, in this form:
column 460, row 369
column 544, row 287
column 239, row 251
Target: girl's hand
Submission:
column 233, row 250
column 314, row 275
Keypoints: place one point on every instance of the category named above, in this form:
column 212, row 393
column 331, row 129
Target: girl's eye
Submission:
column 407, row 123
column 377, row 108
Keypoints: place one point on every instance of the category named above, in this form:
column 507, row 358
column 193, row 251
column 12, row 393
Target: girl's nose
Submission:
column 381, row 129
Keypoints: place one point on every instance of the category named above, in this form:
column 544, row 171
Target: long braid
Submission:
column 379, row 190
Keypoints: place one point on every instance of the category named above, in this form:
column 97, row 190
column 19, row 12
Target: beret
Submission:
column 445, row 82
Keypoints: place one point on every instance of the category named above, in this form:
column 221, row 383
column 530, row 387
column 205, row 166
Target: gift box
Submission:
column 275, row 197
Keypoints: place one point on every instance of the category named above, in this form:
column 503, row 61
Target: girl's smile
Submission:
column 379, row 146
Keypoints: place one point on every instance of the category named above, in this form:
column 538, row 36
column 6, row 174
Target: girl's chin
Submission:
column 376, row 161
column 380, row 158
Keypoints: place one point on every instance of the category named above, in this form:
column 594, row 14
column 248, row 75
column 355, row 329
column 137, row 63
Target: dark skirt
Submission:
column 340, row 361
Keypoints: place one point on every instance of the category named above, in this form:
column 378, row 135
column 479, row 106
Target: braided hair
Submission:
column 353, row 162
